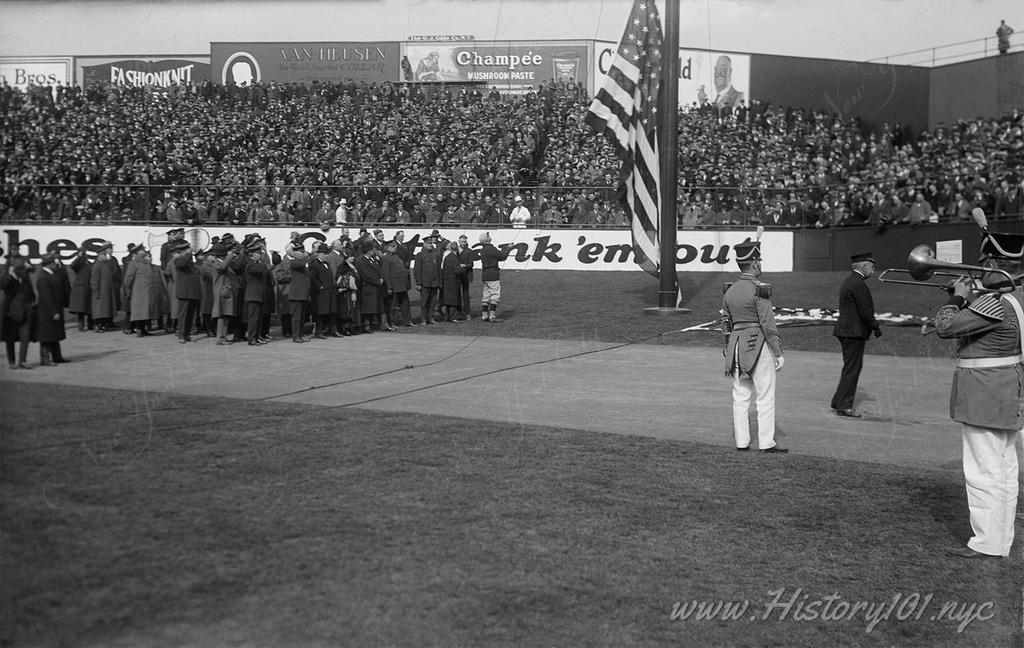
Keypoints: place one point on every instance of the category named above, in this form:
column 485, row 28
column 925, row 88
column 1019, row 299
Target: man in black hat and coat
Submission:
column 188, row 289
column 51, row 299
column 853, row 328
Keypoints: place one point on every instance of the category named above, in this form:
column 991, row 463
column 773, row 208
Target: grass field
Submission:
column 134, row 518
column 609, row 307
column 154, row 527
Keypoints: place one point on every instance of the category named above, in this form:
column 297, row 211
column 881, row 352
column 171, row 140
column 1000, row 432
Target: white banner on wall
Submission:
column 532, row 249
column 23, row 72
column 721, row 78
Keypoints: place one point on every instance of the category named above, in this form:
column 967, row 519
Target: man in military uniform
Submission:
column 753, row 352
column 987, row 397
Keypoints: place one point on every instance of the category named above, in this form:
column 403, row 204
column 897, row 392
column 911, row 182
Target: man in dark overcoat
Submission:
column 371, row 285
column 853, row 328
column 188, row 289
column 323, row 298
column 51, row 299
column 427, row 274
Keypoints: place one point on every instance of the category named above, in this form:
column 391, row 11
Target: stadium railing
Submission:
column 550, row 207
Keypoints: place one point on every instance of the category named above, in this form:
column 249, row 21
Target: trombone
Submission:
column 922, row 266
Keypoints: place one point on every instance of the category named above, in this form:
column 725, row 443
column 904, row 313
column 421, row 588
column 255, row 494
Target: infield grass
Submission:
column 213, row 522
column 609, row 307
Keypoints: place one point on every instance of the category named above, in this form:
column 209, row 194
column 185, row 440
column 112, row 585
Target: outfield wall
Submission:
column 571, row 249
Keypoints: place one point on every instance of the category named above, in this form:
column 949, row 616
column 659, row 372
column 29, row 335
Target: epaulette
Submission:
column 764, row 290
column 988, row 306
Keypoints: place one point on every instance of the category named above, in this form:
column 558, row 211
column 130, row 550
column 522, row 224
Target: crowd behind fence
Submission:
column 286, row 154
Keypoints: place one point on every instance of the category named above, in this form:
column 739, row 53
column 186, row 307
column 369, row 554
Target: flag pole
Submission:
column 668, row 132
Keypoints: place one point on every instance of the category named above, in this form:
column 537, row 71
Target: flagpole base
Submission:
column 666, row 310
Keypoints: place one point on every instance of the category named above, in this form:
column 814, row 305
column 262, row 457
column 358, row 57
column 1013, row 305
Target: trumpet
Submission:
column 922, row 266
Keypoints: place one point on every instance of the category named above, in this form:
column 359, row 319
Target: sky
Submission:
column 858, row 30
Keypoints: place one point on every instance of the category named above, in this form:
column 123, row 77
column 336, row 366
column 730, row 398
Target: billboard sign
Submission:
column 513, row 67
column 141, row 72
column 721, row 78
column 303, row 62
column 25, row 71
column 541, row 249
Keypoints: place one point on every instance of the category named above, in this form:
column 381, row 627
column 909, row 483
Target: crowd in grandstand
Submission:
column 405, row 153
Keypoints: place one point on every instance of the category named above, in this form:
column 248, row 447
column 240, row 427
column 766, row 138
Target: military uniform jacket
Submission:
column 988, row 328
column 750, row 322
column 856, row 309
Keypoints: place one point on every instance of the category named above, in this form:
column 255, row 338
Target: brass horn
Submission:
column 922, row 266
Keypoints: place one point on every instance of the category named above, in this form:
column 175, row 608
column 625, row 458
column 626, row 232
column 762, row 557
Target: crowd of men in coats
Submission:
column 233, row 289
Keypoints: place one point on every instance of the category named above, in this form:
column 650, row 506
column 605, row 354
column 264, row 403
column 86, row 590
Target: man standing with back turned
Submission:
column 753, row 352
column 987, row 395
column 853, row 328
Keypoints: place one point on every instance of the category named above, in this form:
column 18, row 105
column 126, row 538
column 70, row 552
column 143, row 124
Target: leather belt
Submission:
column 988, row 363
column 738, row 326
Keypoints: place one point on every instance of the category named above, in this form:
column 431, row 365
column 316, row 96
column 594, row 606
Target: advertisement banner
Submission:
column 697, row 251
column 303, row 62
column 720, row 78
column 160, row 72
column 513, row 67
column 24, row 71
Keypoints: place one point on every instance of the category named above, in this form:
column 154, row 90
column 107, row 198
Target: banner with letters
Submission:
column 21, row 72
column 532, row 249
column 303, row 62
column 704, row 76
column 513, row 67
column 154, row 72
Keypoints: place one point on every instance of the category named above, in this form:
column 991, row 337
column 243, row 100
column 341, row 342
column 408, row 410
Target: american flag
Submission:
column 625, row 108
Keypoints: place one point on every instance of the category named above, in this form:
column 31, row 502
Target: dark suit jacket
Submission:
column 255, row 278
column 466, row 257
column 187, row 284
column 856, row 309
column 322, row 280
column 299, row 286
column 16, row 304
column 50, row 300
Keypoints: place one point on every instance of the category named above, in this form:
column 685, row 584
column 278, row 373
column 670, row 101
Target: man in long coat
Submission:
column 853, row 328
column 187, row 289
column 145, row 292
column 105, row 285
column 371, row 284
column 81, row 296
column 299, row 290
column 323, row 298
column 396, row 286
column 51, row 299
column 427, row 272
column 451, row 291
column 467, row 256
column 17, row 310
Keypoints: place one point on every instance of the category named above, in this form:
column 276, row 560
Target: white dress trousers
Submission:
column 758, row 390
column 991, row 474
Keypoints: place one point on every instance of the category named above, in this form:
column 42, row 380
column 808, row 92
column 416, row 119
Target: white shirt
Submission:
column 341, row 214
column 520, row 216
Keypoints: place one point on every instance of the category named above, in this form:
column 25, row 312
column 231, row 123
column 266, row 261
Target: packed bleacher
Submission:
column 404, row 153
